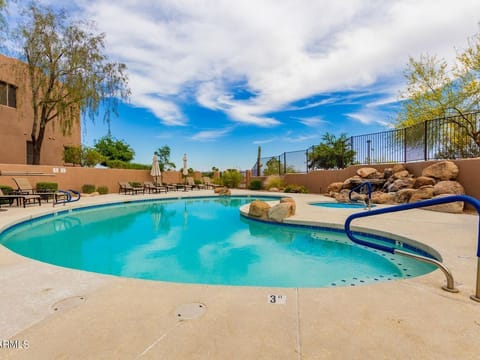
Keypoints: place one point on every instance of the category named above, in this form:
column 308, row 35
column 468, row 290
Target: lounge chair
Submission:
column 192, row 184
column 208, row 183
column 126, row 188
column 151, row 187
column 171, row 187
column 25, row 188
column 19, row 197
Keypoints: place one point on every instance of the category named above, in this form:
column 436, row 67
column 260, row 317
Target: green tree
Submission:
column 81, row 155
column 331, row 153
column 68, row 71
column 275, row 167
column 437, row 90
column 163, row 155
column 113, row 149
column 231, row 178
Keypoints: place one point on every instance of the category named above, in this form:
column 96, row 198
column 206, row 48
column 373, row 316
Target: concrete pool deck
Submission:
column 59, row 313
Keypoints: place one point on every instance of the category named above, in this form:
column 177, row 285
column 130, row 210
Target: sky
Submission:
column 215, row 79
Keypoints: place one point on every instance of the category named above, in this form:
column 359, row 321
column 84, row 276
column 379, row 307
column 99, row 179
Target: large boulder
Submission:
column 448, row 187
column 280, row 211
column 352, row 182
column 398, row 167
column 380, row 197
column 368, row 173
column 424, row 193
column 403, row 196
column 259, row 209
column 401, row 174
column 443, row 170
column 423, row 181
column 334, row 187
column 290, row 201
column 387, row 172
column 342, row 196
column 405, row 183
column 455, row 207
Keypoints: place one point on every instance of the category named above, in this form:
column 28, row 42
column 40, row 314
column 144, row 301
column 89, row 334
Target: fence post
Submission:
column 306, row 159
column 284, row 163
column 425, row 134
column 404, row 145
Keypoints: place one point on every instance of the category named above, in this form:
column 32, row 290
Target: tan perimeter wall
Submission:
column 75, row 177
column 317, row 181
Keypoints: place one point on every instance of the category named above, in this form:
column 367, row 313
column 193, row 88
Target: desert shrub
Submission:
column 292, row 188
column 88, row 188
column 46, row 186
column 135, row 183
column 7, row 190
column 102, row 190
column 231, row 178
column 274, row 182
column 255, row 184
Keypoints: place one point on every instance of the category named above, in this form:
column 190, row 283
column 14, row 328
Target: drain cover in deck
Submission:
column 68, row 303
column 190, row 311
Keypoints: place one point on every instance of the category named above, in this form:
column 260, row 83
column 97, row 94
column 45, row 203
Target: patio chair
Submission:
column 25, row 188
column 19, row 197
column 208, row 183
column 151, row 187
column 126, row 188
column 192, row 184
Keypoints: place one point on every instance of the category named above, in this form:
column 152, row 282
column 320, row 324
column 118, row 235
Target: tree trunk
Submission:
column 37, row 145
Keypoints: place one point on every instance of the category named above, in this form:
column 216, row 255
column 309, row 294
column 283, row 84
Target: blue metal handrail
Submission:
column 68, row 197
column 366, row 184
column 442, row 200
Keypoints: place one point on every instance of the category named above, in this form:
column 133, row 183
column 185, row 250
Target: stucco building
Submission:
column 16, row 120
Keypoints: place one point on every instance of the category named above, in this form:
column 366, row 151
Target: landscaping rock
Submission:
column 423, row 181
column 387, row 172
column 443, row 170
column 351, row 182
column 403, row 196
column 453, row 207
column 223, row 191
column 342, row 196
column 405, row 183
column 280, row 211
column 401, row 174
column 274, row 189
column 367, row 173
column 259, row 209
column 398, row 168
column 290, row 201
column 334, row 187
column 379, row 197
column 448, row 187
column 424, row 193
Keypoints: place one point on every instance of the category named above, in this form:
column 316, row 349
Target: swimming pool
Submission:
column 202, row 240
column 341, row 205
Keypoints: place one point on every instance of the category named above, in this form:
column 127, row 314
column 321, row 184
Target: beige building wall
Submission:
column 16, row 123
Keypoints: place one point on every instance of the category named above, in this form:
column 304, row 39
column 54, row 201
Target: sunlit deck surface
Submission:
column 106, row 317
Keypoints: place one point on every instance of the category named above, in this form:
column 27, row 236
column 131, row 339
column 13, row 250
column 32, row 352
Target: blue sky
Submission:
column 216, row 79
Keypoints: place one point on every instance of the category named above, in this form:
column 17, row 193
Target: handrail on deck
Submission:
column 391, row 249
column 68, row 197
column 366, row 184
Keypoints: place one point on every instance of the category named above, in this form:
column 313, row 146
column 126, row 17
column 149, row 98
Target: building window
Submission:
column 8, row 94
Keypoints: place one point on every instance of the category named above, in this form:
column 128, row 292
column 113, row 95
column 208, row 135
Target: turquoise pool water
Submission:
column 205, row 241
column 340, row 205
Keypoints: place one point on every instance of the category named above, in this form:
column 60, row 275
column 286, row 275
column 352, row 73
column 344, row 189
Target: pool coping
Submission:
column 129, row 318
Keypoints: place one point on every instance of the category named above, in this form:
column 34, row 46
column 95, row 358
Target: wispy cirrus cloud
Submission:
column 210, row 135
column 178, row 51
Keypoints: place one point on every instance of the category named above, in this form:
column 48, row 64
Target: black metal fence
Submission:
column 454, row 137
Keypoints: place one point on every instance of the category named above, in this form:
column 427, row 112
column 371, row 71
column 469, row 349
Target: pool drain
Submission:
column 68, row 303
column 190, row 311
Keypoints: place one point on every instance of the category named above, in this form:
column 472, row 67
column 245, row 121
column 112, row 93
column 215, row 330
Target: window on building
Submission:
column 8, row 94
